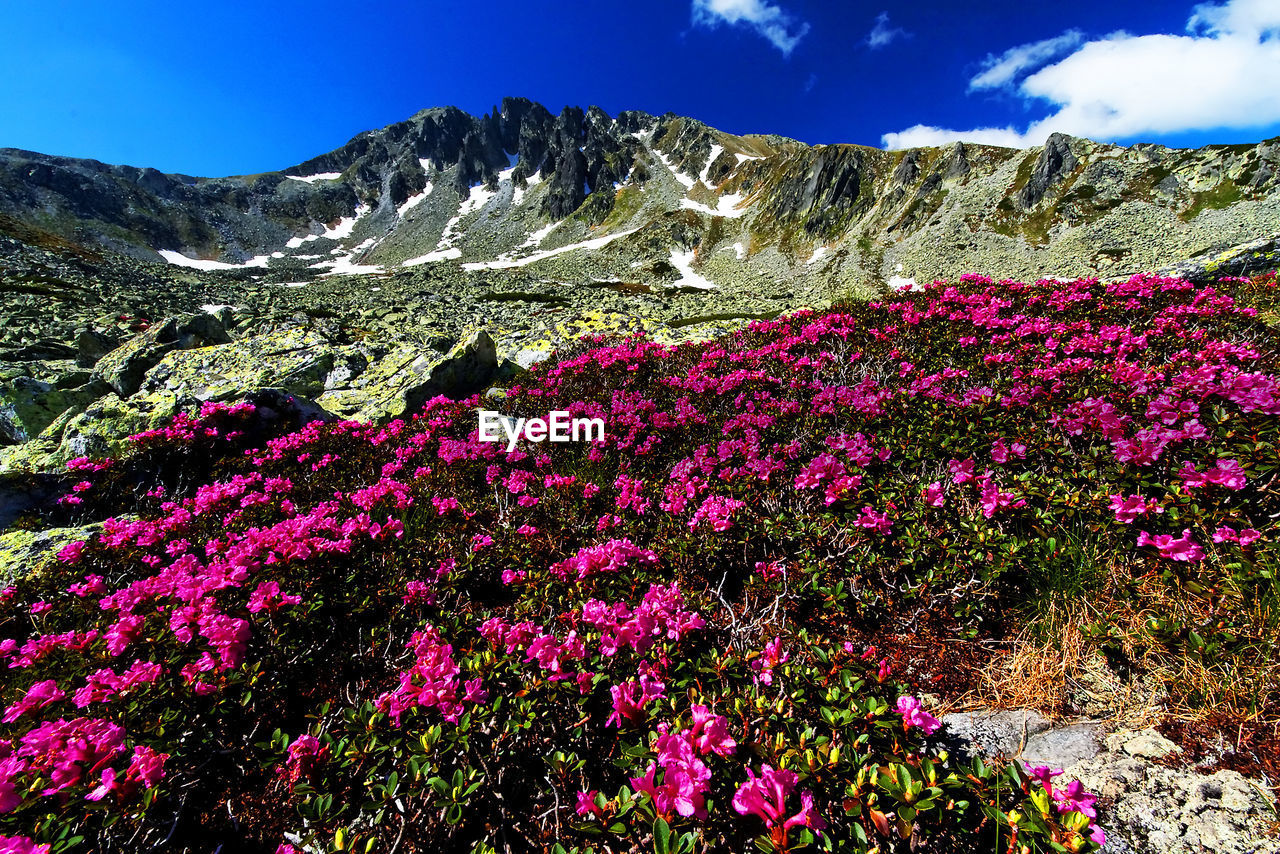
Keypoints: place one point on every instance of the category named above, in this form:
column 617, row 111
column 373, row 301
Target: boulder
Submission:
column 29, row 405
column 24, row 552
column 400, row 380
column 125, row 367
column 92, row 345
column 295, row 360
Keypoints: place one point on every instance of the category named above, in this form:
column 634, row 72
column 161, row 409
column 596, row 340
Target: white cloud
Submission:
column 765, row 18
column 1224, row 74
column 1000, row 70
column 925, row 136
column 882, row 34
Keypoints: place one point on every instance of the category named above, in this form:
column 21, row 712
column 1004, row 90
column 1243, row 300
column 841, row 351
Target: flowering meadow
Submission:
column 401, row 638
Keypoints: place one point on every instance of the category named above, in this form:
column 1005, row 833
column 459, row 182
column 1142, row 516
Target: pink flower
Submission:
column 874, row 521
column 1128, row 509
column 417, row 591
column 933, row 494
column 587, row 804
column 70, row 553
column 305, row 757
column 37, row 697
column 267, row 597
column 913, row 714
column 1227, row 473
column 766, row 796
column 630, row 698
column 961, row 472
column 710, row 733
column 770, row 657
column 21, row 845
column 1180, row 549
column 93, row 586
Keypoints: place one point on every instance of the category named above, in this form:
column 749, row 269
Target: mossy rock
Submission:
column 24, row 552
column 296, row 360
column 28, row 405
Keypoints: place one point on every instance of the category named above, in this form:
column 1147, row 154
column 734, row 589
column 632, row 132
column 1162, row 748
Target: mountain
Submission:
column 582, row 196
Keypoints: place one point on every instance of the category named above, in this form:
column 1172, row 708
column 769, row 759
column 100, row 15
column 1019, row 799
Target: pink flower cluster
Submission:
column 432, row 681
column 69, row 753
column 769, row 658
column 685, row 776
column 717, row 511
column 766, row 796
column 610, row 556
column 303, row 759
column 1073, row 798
column 661, row 613
column 1182, row 548
column 914, row 715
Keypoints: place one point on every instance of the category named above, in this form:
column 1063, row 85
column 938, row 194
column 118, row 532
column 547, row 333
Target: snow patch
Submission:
column 311, row 179
column 726, row 206
column 180, row 260
column 715, row 152
column 449, row 254
column 541, row 234
column 345, row 225
column 344, row 267
column 743, row 158
column 900, row 283
column 503, row 264
column 683, row 261
column 475, row 200
column 684, row 179
column 741, row 251
column 517, row 195
column 818, row 254
column 214, row 309
column 413, row 201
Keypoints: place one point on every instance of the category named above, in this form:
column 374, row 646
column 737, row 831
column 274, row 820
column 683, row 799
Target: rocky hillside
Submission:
column 582, row 196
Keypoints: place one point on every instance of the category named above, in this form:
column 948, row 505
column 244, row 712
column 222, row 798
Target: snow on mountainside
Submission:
column 584, row 196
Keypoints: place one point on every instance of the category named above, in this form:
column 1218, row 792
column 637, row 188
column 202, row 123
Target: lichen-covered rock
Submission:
column 125, row 367
column 399, row 381
column 1151, row 809
column 1144, row 807
column 28, row 405
column 1247, row 259
column 103, row 429
column 24, row 552
column 296, row 360
column 92, row 345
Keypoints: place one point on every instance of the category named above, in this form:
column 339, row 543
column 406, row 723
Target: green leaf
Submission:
column 661, row 837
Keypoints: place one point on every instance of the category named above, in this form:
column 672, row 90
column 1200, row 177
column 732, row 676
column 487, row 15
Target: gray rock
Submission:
column 1062, row 746
column 1056, row 161
column 1147, row 744
column 28, row 406
column 92, row 345
column 995, row 734
column 125, row 367
column 468, row 367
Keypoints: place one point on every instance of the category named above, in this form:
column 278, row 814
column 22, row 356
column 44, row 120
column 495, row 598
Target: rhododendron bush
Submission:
column 374, row 638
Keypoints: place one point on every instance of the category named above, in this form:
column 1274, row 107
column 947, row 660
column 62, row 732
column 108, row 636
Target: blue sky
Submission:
column 239, row 87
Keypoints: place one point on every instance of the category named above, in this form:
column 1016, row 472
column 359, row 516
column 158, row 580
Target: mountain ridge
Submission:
column 446, row 187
